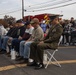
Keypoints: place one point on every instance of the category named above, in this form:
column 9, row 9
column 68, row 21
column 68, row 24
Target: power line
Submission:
column 40, row 9
column 21, row 9
column 41, row 3
column 11, row 12
column 54, row 7
column 53, row 4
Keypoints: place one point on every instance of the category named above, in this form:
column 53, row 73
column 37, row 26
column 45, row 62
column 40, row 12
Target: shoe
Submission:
column 7, row 53
column 23, row 61
column 39, row 66
column 2, row 51
column 32, row 64
column 67, row 44
column 19, row 58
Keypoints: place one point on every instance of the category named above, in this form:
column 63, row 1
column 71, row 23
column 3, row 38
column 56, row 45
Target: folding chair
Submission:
column 51, row 55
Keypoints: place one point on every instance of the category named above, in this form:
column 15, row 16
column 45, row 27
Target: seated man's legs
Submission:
column 4, row 44
column 24, row 51
column 37, row 50
column 21, row 49
column 40, row 51
column 15, row 44
column 36, row 53
column 0, row 42
column 33, row 48
column 21, row 53
column 27, row 49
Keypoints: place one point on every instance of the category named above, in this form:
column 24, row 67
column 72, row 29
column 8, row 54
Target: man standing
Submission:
column 50, row 42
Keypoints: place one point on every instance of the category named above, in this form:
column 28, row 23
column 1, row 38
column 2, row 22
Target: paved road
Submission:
column 66, row 57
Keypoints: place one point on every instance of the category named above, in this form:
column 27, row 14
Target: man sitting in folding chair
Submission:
column 50, row 42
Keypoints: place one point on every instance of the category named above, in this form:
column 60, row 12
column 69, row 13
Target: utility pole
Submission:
column 22, row 9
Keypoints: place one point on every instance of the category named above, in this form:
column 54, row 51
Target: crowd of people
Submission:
column 69, row 32
column 29, row 39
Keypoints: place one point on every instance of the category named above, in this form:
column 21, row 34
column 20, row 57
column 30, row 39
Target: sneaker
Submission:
column 39, row 66
column 67, row 44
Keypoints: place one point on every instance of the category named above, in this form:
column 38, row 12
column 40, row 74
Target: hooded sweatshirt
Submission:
column 3, row 31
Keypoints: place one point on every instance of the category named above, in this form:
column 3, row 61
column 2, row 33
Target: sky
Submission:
column 34, row 7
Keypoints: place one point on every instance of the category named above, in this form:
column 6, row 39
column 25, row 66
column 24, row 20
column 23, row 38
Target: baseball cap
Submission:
column 35, row 20
column 27, row 23
column 19, row 21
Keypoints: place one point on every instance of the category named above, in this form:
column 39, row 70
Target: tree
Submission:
column 9, row 19
column 4, row 23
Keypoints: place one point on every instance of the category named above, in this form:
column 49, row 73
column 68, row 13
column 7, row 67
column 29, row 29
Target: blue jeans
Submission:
column 0, row 42
column 4, row 44
column 25, row 48
column 15, row 44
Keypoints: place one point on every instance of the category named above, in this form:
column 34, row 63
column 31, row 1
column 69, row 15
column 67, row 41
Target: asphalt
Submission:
column 66, row 56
